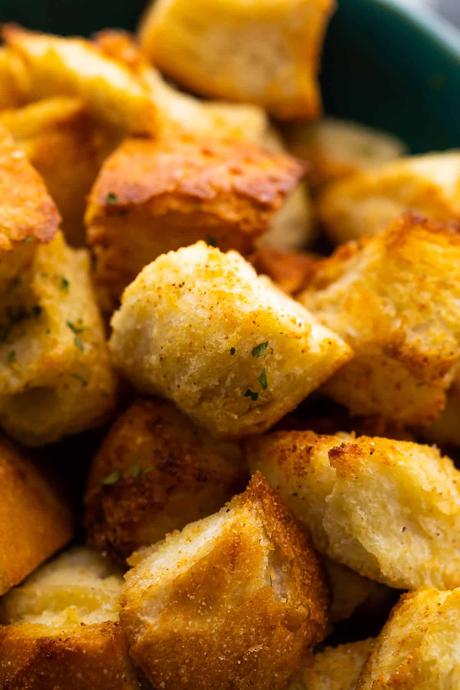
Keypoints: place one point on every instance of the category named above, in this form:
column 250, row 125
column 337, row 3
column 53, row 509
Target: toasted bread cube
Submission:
column 28, row 215
column 34, row 519
column 394, row 298
column 390, row 510
column 233, row 352
column 338, row 148
column 63, row 143
column 55, row 375
column 289, row 270
column 226, row 192
column 364, row 203
column 154, row 473
column 58, row 66
column 265, row 53
column 235, row 600
column 14, row 83
column 335, row 668
column 419, row 647
column 62, row 629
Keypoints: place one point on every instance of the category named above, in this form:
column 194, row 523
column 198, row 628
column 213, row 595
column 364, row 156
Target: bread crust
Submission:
column 335, row 668
column 34, row 518
column 236, row 601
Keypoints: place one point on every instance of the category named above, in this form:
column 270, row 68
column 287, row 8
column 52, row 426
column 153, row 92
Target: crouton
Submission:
column 63, row 143
column 34, row 520
column 335, row 668
column 390, row 510
column 14, row 84
column 235, row 600
column 154, row 473
column 419, row 647
column 445, row 430
column 28, row 215
column 337, row 148
column 349, row 590
column 58, row 66
column 233, row 352
column 394, row 298
column 61, row 629
column 55, row 377
column 225, row 192
column 265, row 53
column 364, row 203
column 291, row 271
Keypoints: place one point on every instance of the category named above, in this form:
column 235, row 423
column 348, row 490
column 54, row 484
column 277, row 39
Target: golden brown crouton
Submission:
column 34, row 520
column 63, row 143
column 394, row 298
column 232, row 351
column 67, row 147
column 14, row 84
column 62, row 629
column 390, row 510
column 337, row 148
column 291, row 271
column 364, row 203
column 419, row 647
column 58, row 66
column 55, row 377
column 233, row 601
column 154, row 473
column 28, row 215
column 335, row 668
column 265, row 53
column 154, row 196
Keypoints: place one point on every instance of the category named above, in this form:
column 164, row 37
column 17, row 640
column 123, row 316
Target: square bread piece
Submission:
column 34, row 519
column 390, row 510
column 364, row 203
column 61, row 628
column 236, row 600
column 419, row 647
column 394, row 298
column 58, row 66
column 231, row 350
column 55, row 375
column 67, row 148
column 156, row 472
column 262, row 51
column 28, row 215
column 153, row 196
column 334, row 668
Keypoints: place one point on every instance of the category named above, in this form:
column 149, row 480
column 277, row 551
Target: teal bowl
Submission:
column 384, row 65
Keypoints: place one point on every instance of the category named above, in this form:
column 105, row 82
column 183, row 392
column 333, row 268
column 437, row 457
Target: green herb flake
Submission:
column 79, row 377
column 64, row 283
column 111, row 478
column 232, row 350
column 136, row 471
column 212, row 242
column 79, row 343
column 11, row 357
column 259, row 349
column 111, row 198
column 263, row 379
column 251, row 394
column 74, row 327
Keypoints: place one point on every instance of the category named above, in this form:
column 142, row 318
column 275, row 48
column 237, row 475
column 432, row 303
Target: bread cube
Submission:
column 235, row 600
column 34, row 519
column 419, row 647
column 350, row 591
column 364, row 203
column 55, row 375
column 234, row 353
column 66, row 147
column 394, row 299
column 338, row 148
column 62, row 629
column 335, row 668
column 154, row 473
column 390, row 510
column 28, row 215
column 222, row 191
column 265, row 53
column 58, row 66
